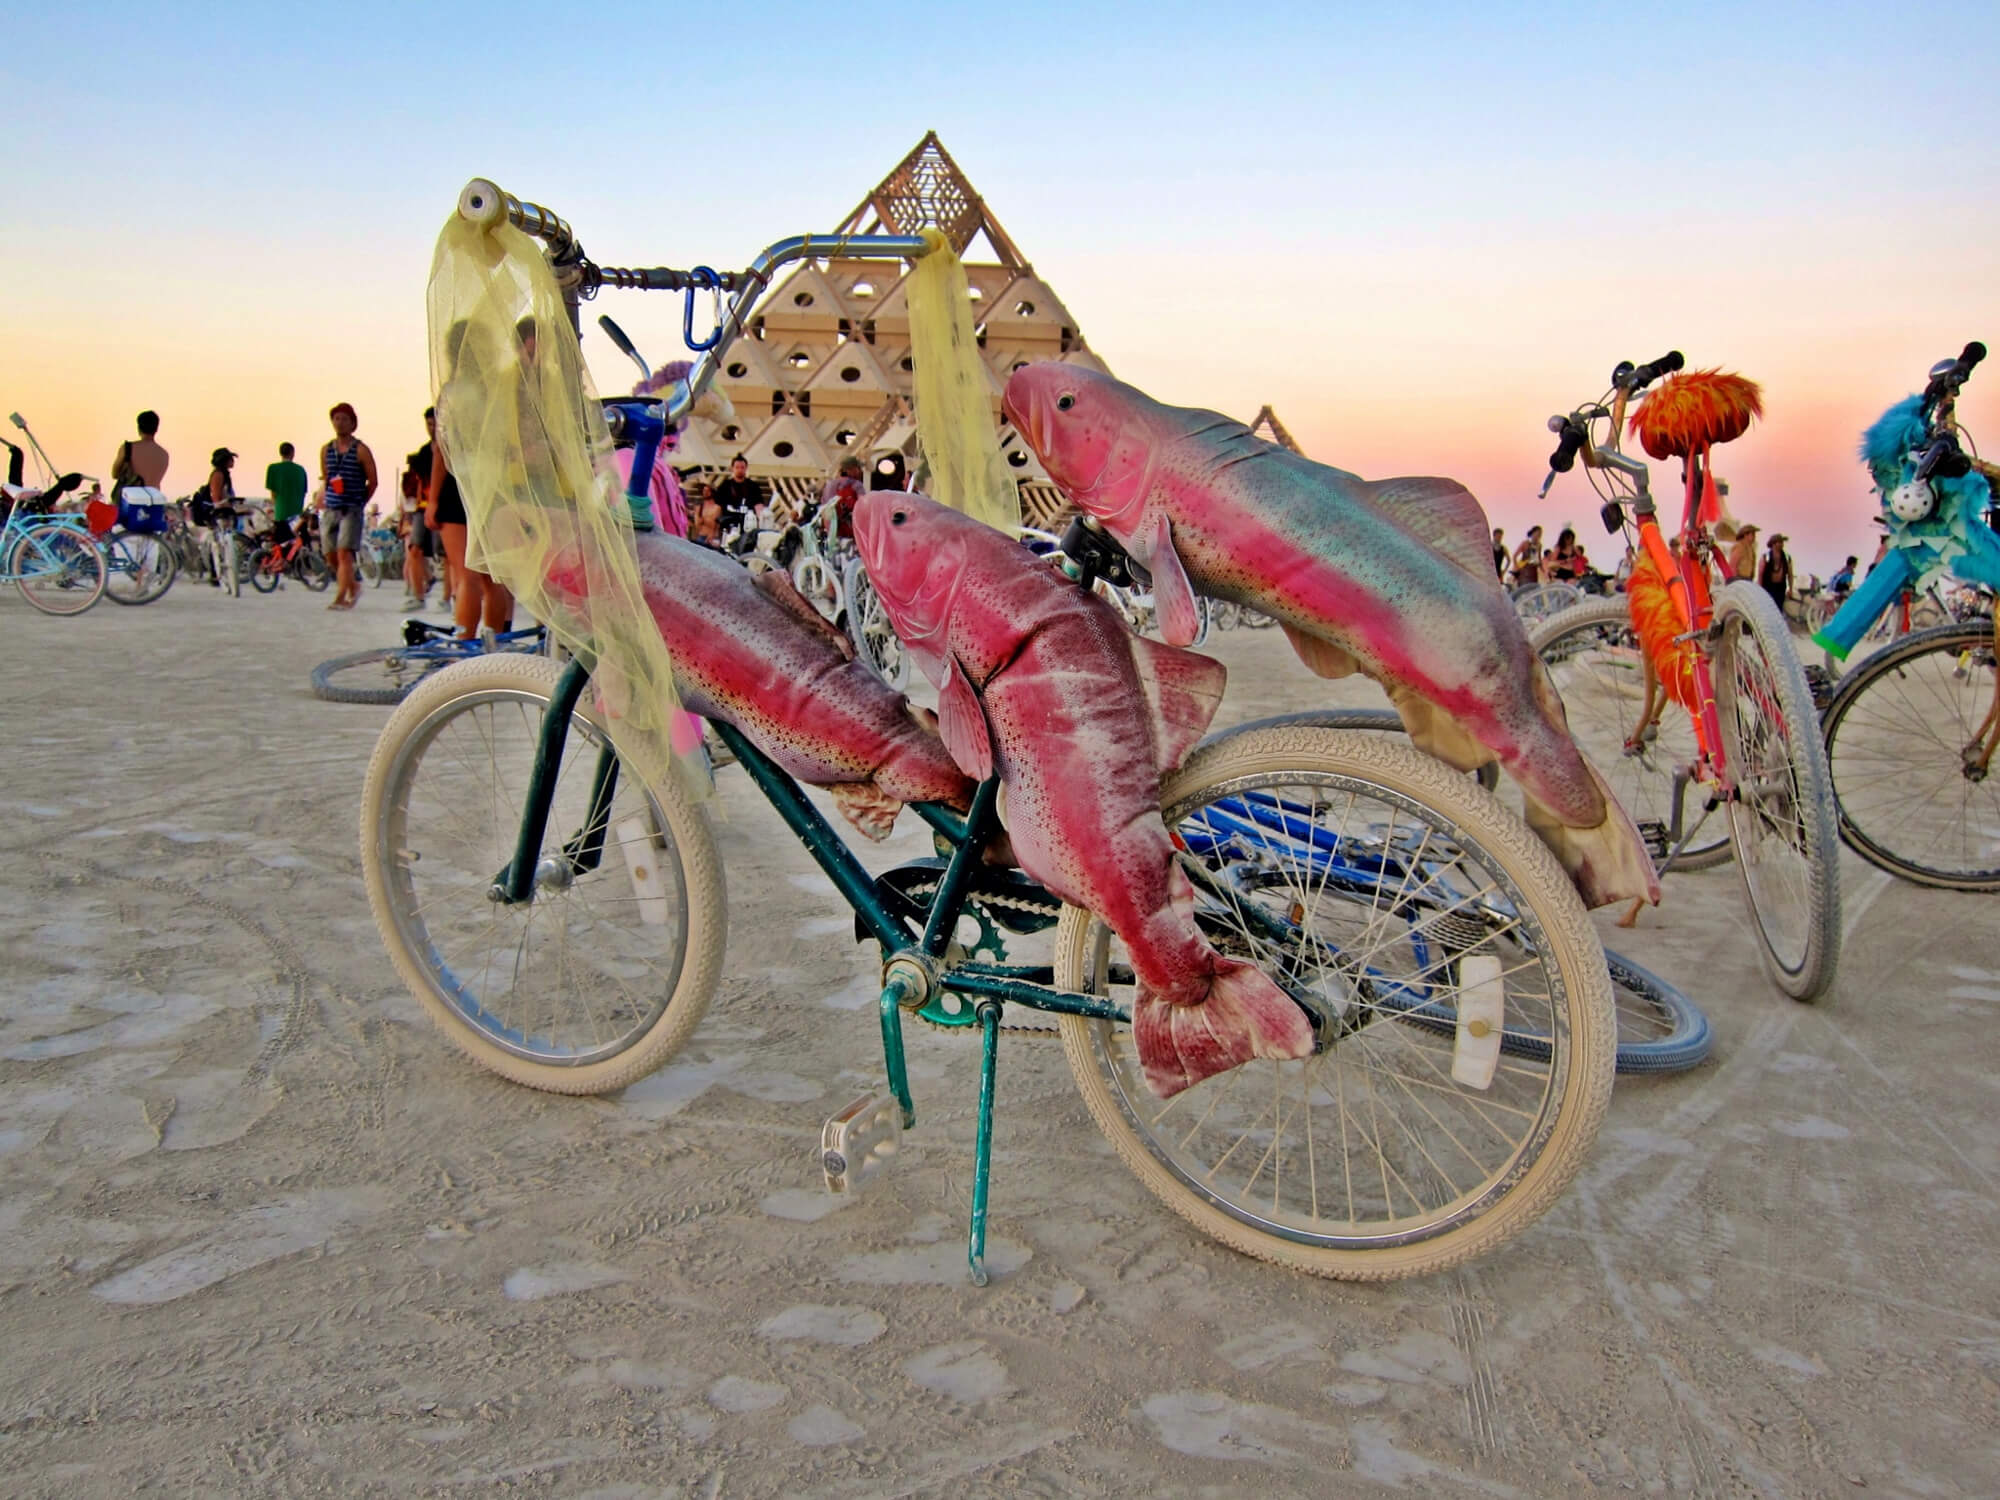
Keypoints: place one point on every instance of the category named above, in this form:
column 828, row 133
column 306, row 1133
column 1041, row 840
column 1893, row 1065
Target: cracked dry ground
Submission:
column 262, row 1231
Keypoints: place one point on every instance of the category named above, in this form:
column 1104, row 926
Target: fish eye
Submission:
column 1065, row 401
column 899, row 518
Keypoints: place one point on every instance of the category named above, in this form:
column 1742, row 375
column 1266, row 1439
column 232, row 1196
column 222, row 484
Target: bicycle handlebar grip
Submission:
column 1666, row 364
column 1974, row 353
column 1564, row 458
column 482, row 203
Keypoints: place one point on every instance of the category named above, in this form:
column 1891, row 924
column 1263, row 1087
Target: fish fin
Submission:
column 1325, row 658
column 777, row 587
column 1608, row 862
column 1442, row 514
column 1437, row 733
column 1244, row 1015
column 1173, row 595
column 1183, row 689
column 865, row 805
column 962, row 724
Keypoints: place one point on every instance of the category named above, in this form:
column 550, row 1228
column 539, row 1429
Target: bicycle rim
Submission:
column 1906, row 738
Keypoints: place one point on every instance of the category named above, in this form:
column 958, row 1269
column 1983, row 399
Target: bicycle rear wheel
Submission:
column 383, row 676
column 1907, row 737
column 868, row 624
column 1536, row 602
column 58, row 569
column 1594, row 658
column 1376, row 882
column 139, row 568
column 600, row 978
column 313, row 570
column 1782, row 819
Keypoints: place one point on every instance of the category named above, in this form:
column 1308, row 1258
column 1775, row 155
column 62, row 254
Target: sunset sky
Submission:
column 1415, row 238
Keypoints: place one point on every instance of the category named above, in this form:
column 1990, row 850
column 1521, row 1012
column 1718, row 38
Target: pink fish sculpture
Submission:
column 1041, row 682
column 753, row 653
column 1390, row 577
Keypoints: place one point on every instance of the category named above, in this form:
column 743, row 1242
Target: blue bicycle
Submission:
column 52, row 559
column 386, row 675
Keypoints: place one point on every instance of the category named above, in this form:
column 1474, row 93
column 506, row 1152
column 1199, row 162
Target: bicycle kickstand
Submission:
column 982, row 1148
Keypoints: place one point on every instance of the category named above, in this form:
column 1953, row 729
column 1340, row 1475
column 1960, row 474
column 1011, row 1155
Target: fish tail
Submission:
column 1606, row 858
column 1243, row 1015
column 1608, row 861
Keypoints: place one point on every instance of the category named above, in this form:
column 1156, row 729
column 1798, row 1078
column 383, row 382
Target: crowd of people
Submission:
column 1532, row 564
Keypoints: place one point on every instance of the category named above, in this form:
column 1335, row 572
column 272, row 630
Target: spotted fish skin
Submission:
column 753, row 653
column 1392, row 578
column 1041, row 683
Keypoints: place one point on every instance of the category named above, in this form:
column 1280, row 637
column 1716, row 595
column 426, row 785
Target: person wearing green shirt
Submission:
column 286, row 482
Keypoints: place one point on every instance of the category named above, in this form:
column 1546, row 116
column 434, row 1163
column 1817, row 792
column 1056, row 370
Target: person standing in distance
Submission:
column 740, row 495
column 285, row 482
column 140, row 463
column 347, row 479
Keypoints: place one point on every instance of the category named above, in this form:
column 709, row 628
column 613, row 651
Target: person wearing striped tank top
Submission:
column 347, row 484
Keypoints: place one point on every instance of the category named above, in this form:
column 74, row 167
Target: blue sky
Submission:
column 1414, row 235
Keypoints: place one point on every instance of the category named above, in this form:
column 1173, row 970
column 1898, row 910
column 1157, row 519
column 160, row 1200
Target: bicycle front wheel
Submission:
column 139, row 568
column 1387, row 890
column 58, row 569
column 264, row 569
column 1594, row 658
column 1909, row 742
column 605, row 973
column 1782, row 818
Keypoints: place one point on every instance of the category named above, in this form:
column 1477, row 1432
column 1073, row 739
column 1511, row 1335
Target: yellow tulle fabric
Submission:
column 522, row 430
column 953, row 392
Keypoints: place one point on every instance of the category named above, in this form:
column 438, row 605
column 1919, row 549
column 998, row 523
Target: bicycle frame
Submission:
column 917, row 970
column 1686, row 575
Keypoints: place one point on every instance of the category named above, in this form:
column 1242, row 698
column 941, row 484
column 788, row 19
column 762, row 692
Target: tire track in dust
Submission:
column 1470, row 1319
column 1698, row 1425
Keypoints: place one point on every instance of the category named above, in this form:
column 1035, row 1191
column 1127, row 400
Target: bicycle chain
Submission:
column 996, row 953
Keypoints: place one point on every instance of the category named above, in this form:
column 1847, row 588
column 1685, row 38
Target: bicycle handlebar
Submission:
column 483, row 203
column 1632, row 379
column 1948, row 375
column 1570, row 434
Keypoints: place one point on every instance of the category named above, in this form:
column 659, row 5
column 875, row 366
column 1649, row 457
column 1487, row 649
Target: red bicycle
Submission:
column 298, row 558
column 1724, row 654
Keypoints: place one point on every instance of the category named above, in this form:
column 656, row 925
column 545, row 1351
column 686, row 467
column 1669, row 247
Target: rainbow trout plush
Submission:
column 1392, row 577
column 752, row 652
column 1041, row 682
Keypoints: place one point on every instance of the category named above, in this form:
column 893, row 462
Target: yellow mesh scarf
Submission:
column 954, row 402
column 525, row 438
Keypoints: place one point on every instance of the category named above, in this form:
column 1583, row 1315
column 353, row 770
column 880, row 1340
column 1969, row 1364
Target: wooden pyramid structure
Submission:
column 825, row 371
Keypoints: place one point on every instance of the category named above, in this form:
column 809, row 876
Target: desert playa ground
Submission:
column 263, row 1231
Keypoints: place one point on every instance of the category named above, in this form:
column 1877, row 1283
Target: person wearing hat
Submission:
column 1775, row 577
column 347, row 484
column 1742, row 541
column 214, row 507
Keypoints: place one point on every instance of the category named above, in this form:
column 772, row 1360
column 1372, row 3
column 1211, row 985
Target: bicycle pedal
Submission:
column 859, row 1141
